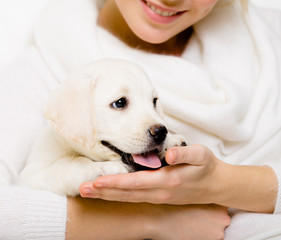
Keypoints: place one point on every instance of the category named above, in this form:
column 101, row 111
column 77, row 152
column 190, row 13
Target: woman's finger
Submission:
column 195, row 154
column 135, row 180
column 128, row 195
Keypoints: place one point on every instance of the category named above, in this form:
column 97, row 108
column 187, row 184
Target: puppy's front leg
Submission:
column 77, row 170
column 65, row 175
column 174, row 140
column 53, row 165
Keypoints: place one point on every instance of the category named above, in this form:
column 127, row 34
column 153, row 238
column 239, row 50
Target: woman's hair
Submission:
column 243, row 3
column 100, row 3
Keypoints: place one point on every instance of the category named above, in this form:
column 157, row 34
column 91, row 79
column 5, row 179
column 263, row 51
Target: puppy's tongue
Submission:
column 150, row 160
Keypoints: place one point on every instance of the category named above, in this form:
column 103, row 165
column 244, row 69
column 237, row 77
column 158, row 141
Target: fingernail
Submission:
column 173, row 156
column 86, row 189
column 87, row 192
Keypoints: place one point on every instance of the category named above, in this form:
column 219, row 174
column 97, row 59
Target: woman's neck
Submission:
column 111, row 20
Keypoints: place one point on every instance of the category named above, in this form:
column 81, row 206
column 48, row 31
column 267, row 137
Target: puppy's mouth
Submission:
column 144, row 161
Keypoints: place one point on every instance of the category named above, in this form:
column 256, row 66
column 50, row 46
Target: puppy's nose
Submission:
column 158, row 132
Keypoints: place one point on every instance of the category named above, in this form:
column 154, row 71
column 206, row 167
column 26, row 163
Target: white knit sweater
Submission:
column 25, row 213
column 223, row 92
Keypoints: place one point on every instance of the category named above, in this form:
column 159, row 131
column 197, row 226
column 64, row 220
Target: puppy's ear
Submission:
column 71, row 110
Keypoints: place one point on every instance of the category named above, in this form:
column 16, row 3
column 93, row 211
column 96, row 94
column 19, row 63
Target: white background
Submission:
column 17, row 17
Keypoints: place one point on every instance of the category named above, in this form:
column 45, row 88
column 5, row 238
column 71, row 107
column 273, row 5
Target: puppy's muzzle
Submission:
column 158, row 133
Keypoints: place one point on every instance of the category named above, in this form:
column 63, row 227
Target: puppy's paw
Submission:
column 176, row 140
column 173, row 140
column 109, row 168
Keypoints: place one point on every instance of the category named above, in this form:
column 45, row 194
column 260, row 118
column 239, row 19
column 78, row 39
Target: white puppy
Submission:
column 105, row 119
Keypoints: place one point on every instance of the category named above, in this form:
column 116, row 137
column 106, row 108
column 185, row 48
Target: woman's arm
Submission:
column 98, row 219
column 195, row 176
column 250, row 188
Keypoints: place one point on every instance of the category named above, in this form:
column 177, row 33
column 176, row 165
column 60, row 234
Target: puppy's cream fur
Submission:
column 81, row 115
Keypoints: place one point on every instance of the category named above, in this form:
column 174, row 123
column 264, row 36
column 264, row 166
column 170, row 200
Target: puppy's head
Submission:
column 111, row 110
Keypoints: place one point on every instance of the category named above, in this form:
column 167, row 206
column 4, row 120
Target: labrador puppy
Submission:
column 104, row 119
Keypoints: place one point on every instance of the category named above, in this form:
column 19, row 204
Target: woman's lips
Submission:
column 158, row 14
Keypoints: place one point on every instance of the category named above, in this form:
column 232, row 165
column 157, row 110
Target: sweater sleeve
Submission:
column 277, row 169
column 31, row 214
column 25, row 87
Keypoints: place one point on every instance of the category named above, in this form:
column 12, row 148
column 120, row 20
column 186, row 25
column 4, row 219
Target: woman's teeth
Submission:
column 159, row 11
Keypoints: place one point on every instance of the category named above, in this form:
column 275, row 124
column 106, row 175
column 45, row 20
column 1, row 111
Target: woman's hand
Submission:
column 97, row 219
column 192, row 177
column 191, row 222
column 195, row 176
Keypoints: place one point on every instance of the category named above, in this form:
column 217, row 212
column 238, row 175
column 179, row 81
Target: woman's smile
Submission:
column 159, row 14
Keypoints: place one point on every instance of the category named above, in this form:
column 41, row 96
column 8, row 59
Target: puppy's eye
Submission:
column 120, row 103
column 155, row 101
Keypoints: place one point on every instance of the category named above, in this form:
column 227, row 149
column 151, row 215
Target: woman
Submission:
column 212, row 93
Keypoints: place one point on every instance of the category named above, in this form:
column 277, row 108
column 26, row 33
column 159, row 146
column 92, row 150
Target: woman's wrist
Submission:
column 98, row 219
column 250, row 188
